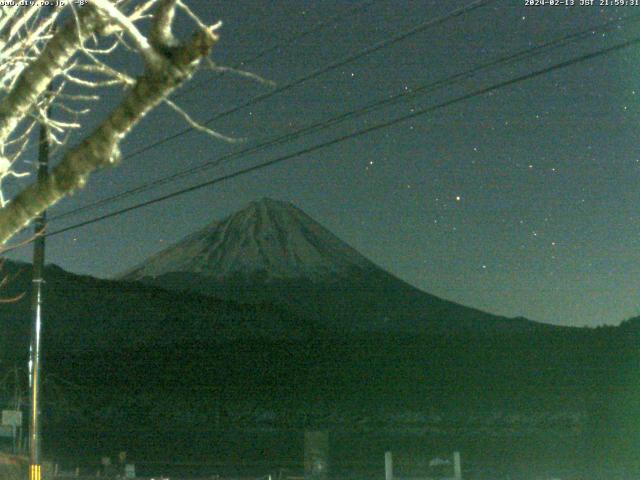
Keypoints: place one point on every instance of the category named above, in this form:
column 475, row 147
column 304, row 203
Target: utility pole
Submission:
column 35, row 465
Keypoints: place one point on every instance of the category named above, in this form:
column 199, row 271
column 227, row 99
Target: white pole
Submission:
column 388, row 466
column 457, row 466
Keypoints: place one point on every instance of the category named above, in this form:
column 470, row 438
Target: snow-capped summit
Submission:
column 271, row 238
column 271, row 252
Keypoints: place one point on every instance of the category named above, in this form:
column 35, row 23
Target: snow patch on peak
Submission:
column 270, row 238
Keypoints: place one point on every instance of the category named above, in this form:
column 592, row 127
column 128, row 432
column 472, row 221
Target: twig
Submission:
column 199, row 126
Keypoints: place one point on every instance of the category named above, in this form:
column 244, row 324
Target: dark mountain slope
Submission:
column 273, row 252
column 83, row 313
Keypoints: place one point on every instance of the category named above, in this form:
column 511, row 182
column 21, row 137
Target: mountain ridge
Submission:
column 271, row 251
column 268, row 235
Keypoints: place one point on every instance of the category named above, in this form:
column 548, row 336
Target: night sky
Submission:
column 523, row 201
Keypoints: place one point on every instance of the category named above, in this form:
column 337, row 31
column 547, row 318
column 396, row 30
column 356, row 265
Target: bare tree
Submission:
column 60, row 57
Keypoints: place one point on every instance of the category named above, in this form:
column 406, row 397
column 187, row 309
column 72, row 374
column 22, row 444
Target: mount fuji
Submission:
column 271, row 251
column 269, row 238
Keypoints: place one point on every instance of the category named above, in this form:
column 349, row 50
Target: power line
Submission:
column 318, row 72
column 405, row 95
column 359, row 133
column 374, row 48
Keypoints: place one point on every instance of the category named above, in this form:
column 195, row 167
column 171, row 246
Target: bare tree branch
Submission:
column 140, row 41
column 242, row 73
column 198, row 126
column 35, row 78
column 172, row 64
column 34, row 56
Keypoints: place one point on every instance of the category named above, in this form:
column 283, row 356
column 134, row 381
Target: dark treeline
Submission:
column 137, row 368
